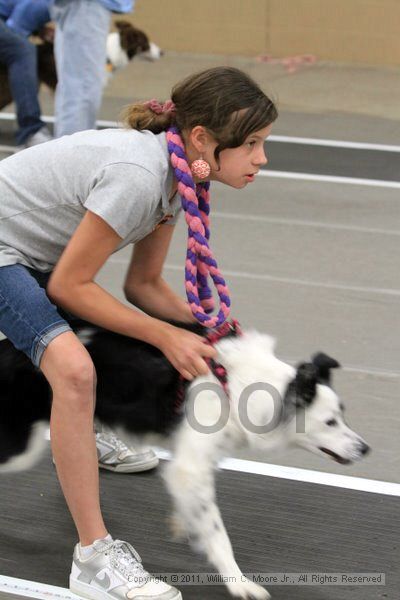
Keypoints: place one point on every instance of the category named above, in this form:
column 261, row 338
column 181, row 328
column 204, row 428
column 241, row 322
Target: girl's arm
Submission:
column 72, row 286
column 144, row 286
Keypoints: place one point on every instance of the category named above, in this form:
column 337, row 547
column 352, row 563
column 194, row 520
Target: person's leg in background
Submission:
column 20, row 58
column 82, row 27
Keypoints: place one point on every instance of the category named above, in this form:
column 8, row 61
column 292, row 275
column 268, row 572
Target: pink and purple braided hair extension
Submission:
column 199, row 258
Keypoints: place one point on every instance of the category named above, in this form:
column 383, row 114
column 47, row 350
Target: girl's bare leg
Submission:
column 70, row 372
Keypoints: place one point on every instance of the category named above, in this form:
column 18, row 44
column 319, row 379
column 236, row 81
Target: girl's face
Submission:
column 238, row 166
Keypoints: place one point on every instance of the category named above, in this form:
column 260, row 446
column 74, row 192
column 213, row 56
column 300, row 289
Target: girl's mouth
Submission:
column 250, row 177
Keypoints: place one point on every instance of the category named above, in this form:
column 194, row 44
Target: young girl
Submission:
column 66, row 206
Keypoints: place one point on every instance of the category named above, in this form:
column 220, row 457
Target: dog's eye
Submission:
column 331, row 422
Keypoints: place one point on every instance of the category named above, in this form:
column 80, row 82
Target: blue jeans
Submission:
column 20, row 57
column 80, row 51
column 27, row 316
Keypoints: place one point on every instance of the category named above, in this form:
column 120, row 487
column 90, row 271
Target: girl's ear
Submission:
column 200, row 138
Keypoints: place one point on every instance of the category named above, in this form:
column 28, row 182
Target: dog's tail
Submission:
column 25, row 403
column 12, row 458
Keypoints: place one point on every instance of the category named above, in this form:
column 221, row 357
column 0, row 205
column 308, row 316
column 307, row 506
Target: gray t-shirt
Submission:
column 124, row 176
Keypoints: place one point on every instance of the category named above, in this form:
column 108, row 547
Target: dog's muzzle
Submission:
column 336, row 457
column 362, row 449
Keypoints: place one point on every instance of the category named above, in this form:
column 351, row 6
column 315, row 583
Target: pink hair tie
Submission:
column 157, row 108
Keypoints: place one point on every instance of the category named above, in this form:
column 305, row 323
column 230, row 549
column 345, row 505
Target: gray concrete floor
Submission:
column 275, row 526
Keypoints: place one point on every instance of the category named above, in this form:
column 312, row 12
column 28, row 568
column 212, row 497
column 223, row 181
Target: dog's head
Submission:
column 133, row 40
column 127, row 42
column 319, row 414
column 278, row 405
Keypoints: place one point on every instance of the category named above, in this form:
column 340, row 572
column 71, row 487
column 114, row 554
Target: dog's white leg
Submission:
column 190, row 481
column 177, row 527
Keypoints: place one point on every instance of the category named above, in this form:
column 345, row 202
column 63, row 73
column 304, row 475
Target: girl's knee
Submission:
column 68, row 367
column 78, row 376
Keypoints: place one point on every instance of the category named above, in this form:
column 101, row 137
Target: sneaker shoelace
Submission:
column 126, row 560
column 118, row 444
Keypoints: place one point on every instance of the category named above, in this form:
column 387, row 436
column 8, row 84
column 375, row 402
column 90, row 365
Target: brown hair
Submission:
column 224, row 100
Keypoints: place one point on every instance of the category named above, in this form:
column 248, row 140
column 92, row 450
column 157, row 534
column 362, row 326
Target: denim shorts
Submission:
column 27, row 316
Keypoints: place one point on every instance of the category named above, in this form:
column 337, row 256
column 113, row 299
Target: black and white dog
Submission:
column 137, row 395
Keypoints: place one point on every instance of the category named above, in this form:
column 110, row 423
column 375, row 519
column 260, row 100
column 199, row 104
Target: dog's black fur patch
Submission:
column 324, row 364
column 24, row 400
column 137, row 388
column 303, row 388
column 305, row 384
column 133, row 41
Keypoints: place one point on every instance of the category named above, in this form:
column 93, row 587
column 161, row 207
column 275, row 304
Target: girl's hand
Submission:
column 186, row 351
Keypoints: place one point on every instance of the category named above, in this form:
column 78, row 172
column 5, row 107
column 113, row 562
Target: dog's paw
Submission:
column 177, row 528
column 248, row 590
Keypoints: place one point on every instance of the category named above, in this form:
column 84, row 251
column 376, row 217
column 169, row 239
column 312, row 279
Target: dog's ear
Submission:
column 304, row 384
column 324, row 364
column 142, row 41
column 133, row 41
column 120, row 25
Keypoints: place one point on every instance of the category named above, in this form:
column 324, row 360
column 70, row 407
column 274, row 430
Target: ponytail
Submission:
column 151, row 115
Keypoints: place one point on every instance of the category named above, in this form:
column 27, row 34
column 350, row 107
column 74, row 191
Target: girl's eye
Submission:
column 332, row 422
column 251, row 144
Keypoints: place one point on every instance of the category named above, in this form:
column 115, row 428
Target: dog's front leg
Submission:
column 190, row 481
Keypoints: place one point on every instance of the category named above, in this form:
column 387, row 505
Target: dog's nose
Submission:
column 364, row 449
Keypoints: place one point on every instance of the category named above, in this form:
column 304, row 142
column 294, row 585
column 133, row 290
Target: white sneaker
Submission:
column 114, row 571
column 114, row 455
column 41, row 136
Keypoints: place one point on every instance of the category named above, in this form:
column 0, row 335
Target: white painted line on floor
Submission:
column 333, row 143
column 50, row 119
column 33, row 589
column 287, row 280
column 303, row 475
column 6, row 116
column 355, row 369
column 329, row 179
column 347, row 482
column 103, row 123
column 372, row 371
column 302, row 223
column 292, row 281
column 10, row 149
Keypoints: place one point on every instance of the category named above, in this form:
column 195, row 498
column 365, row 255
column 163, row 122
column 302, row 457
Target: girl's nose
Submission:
column 261, row 159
